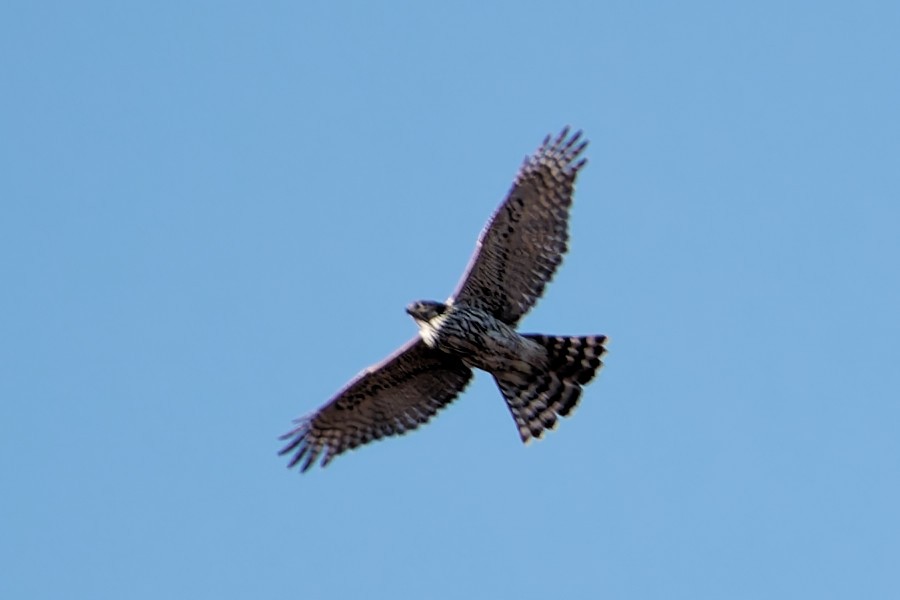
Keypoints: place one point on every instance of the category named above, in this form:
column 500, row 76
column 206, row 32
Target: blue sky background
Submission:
column 214, row 213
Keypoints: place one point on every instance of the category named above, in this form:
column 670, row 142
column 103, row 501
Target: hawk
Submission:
column 539, row 376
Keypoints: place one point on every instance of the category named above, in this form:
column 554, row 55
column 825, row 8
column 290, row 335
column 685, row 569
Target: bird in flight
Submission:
column 539, row 376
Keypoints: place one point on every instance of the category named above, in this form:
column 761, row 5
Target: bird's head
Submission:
column 429, row 316
column 425, row 311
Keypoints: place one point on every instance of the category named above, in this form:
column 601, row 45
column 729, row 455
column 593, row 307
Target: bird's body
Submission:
column 539, row 376
column 475, row 336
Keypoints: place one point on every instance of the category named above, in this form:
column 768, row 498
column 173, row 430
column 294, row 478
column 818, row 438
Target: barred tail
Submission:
column 535, row 398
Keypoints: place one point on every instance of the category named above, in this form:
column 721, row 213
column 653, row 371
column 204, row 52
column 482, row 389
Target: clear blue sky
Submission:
column 214, row 213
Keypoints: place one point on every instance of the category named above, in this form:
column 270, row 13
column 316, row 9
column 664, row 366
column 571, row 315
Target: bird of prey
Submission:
column 539, row 376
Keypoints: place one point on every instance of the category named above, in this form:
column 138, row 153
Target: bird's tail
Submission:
column 536, row 397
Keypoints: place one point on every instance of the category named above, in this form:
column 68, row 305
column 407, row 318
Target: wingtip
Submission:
column 567, row 147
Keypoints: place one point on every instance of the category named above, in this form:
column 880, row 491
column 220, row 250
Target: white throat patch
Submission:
column 429, row 329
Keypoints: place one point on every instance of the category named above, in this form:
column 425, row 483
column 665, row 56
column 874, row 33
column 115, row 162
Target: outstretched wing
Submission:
column 524, row 241
column 390, row 398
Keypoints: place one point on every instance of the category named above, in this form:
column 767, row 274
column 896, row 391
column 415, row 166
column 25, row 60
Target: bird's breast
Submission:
column 480, row 340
